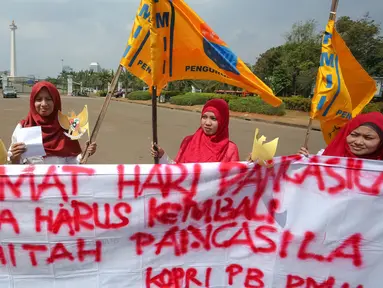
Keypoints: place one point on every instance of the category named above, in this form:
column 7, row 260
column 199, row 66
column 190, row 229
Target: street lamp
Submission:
column 62, row 74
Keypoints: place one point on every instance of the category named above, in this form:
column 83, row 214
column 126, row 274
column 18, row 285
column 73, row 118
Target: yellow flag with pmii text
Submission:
column 343, row 88
column 169, row 42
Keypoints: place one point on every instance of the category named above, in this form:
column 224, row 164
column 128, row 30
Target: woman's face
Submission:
column 44, row 103
column 363, row 141
column 209, row 123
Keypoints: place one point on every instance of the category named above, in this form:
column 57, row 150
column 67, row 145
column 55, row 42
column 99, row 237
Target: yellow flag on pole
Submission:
column 3, row 153
column 343, row 88
column 169, row 42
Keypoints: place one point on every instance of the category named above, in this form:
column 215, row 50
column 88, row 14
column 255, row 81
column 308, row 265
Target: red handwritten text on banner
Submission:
column 299, row 223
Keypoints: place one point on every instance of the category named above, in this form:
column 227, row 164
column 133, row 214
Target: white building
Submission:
column 95, row 67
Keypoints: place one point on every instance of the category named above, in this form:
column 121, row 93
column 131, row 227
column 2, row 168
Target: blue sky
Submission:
column 84, row 31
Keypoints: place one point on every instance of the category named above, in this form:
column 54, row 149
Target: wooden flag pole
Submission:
column 309, row 126
column 102, row 114
column 334, row 8
column 154, row 120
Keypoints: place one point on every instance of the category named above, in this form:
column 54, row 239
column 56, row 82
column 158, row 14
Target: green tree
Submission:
column 54, row 81
column 129, row 81
column 302, row 32
column 288, row 68
column 363, row 37
column 103, row 78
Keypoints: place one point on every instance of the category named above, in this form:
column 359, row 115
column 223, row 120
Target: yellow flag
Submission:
column 3, row 153
column 169, row 42
column 343, row 88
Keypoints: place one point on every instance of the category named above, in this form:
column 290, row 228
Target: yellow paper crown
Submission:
column 263, row 152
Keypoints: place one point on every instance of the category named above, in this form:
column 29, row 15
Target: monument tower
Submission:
column 13, row 49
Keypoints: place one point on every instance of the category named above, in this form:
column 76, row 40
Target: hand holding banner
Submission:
column 299, row 223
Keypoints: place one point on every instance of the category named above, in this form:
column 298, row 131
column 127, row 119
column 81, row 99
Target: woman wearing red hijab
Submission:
column 362, row 137
column 210, row 143
column 44, row 104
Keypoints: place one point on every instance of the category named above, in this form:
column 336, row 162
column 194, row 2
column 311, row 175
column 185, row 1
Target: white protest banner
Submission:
column 313, row 223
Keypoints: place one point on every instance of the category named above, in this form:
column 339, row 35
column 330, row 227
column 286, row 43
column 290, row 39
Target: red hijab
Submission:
column 339, row 147
column 200, row 147
column 54, row 140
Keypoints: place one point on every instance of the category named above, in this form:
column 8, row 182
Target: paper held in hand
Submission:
column 33, row 139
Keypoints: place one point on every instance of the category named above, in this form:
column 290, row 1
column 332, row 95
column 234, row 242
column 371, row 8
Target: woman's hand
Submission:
column 156, row 151
column 92, row 148
column 17, row 150
column 268, row 164
column 304, row 151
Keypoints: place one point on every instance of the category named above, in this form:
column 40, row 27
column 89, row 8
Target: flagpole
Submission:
column 154, row 120
column 334, row 8
column 309, row 126
column 102, row 114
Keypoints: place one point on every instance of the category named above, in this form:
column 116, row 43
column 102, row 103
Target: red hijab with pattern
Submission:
column 339, row 147
column 54, row 140
column 200, row 147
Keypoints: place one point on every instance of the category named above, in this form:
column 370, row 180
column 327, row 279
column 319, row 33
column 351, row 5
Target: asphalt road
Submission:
column 125, row 134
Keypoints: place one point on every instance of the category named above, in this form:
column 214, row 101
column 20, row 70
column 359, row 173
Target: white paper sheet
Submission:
column 33, row 139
